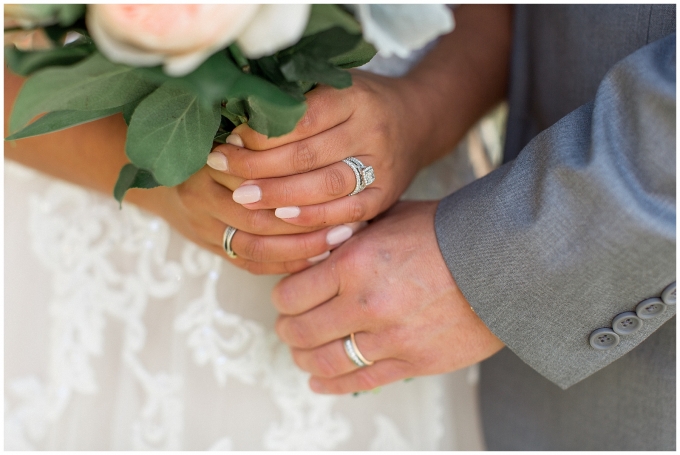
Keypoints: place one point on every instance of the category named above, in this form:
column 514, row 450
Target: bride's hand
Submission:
column 202, row 207
column 302, row 174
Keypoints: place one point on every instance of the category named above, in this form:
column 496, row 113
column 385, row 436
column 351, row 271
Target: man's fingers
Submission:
column 299, row 293
column 326, row 107
column 331, row 360
column 324, row 323
column 363, row 379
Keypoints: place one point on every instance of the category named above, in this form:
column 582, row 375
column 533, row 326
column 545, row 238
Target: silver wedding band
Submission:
column 353, row 352
column 226, row 241
column 364, row 175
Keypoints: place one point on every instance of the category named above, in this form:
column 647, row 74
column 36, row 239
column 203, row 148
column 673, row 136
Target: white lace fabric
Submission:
column 121, row 335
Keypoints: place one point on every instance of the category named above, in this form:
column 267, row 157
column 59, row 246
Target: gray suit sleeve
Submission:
column 579, row 228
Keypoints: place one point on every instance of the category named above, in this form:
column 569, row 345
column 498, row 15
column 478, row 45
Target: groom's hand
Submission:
column 390, row 286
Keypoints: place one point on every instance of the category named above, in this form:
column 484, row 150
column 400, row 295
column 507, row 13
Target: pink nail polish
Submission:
column 320, row 257
column 287, row 212
column 247, row 194
column 338, row 235
column 234, row 139
column 217, row 161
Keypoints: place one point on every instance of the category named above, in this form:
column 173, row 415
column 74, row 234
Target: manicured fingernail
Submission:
column 338, row 234
column 316, row 386
column 217, row 161
column 320, row 257
column 287, row 212
column 359, row 225
column 234, row 139
column 247, row 194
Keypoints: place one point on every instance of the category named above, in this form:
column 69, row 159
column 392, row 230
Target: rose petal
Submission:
column 400, row 29
column 273, row 28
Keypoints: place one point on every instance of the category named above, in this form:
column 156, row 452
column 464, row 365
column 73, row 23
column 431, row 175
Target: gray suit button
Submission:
column 626, row 323
column 668, row 294
column 650, row 308
column 604, row 338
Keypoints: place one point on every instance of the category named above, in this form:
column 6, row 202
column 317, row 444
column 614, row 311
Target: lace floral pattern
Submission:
column 110, row 270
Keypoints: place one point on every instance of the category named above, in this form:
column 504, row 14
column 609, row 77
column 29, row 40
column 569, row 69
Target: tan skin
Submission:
column 395, row 125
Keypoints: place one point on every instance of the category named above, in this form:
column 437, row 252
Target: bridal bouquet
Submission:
column 183, row 76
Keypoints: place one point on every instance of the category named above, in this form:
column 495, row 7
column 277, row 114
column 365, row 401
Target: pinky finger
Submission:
column 367, row 378
column 348, row 209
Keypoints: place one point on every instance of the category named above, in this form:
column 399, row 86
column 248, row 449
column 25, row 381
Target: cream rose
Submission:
column 181, row 37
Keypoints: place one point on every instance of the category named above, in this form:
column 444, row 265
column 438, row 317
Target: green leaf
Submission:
column 129, row 109
column 171, row 133
column 325, row 44
column 93, row 84
column 360, row 55
column 301, row 67
column 269, row 110
column 26, row 63
column 59, row 120
column 235, row 111
column 323, row 17
column 132, row 177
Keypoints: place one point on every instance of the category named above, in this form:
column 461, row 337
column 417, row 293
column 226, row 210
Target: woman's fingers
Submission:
column 326, row 107
column 315, row 187
column 261, row 268
column 281, row 248
column 362, row 206
column 298, row 157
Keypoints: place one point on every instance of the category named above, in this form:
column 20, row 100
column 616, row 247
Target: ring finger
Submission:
column 331, row 359
column 280, row 248
column 314, row 187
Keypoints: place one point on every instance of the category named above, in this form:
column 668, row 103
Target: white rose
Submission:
column 181, row 37
column 400, row 29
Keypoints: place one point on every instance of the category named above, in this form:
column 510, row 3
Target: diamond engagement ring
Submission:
column 226, row 241
column 364, row 174
column 353, row 352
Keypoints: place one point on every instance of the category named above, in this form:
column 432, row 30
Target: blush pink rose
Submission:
column 181, row 37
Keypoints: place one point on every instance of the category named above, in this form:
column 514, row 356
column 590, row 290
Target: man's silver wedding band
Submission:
column 364, row 174
column 226, row 241
column 353, row 352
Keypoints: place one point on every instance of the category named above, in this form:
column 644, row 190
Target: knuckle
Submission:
column 334, row 182
column 304, row 158
column 356, row 210
column 287, row 193
column 257, row 221
column 297, row 334
column 323, row 365
column 366, row 379
column 255, row 249
column 308, row 123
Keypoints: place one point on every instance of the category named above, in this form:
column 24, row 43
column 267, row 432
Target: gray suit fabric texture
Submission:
column 577, row 227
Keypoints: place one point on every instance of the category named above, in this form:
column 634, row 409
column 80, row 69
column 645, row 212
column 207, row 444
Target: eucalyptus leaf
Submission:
column 131, row 176
column 25, row 63
column 171, row 133
column 59, row 120
column 129, row 109
column 93, row 84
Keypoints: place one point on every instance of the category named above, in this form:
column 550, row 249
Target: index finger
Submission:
column 326, row 107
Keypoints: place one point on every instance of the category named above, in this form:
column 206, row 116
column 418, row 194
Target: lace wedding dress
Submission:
column 122, row 335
